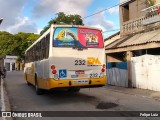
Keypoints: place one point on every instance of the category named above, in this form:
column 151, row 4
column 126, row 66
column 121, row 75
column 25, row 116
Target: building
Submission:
column 10, row 62
column 139, row 32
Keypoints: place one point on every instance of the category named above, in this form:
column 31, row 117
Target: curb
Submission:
column 5, row 104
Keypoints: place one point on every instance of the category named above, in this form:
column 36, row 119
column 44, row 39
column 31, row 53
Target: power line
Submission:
column 100, row 11
column 105, row 9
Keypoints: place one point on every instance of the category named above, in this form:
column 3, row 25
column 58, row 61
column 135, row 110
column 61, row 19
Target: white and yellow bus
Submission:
column 66, row 56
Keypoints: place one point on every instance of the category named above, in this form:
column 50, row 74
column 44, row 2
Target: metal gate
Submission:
column 117, row 74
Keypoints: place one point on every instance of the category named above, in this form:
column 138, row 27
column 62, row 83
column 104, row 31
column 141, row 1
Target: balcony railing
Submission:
column 139, row 24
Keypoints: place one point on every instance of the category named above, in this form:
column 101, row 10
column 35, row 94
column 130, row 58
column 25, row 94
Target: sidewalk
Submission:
column 135, row 91
column 4, row 100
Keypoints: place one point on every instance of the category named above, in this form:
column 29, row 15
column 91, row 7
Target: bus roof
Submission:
column 55, row 26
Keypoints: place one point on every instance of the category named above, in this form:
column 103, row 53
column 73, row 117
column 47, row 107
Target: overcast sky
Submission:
column 33, row 15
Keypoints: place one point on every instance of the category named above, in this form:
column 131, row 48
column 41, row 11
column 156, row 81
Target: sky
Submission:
column 33, row 15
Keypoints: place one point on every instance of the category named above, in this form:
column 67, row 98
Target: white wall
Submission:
column 146, row 71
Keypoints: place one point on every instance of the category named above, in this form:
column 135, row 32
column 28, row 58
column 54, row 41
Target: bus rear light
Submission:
column 103, row 70
column 54, row 71
column 53, row 67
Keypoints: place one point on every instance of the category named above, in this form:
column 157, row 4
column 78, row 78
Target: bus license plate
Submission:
column 80, row 82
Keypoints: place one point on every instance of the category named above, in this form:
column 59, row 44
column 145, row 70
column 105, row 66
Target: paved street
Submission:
column 24, row 98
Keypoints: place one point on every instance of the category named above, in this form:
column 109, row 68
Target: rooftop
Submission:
column 136, row 40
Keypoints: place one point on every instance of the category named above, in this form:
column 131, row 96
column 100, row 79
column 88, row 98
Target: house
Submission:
column 139, row 33
column 8, row 62
column 11, row 63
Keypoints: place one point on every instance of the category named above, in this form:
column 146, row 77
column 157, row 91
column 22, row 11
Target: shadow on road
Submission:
column 62, row 96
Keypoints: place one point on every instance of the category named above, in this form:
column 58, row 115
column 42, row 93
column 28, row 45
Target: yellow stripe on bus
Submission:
column 51, row 83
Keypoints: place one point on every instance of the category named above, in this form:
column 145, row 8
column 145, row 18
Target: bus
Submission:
column 66, row 56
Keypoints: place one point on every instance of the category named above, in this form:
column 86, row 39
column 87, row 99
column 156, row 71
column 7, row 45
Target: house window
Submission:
column 125, row 12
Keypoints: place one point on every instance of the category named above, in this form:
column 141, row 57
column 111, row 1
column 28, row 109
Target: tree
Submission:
column 16, row 44
column 6, row 43
column 23, row 40
column 64, row 19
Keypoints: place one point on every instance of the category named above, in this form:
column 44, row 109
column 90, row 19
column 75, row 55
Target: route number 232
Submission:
column 80, row 62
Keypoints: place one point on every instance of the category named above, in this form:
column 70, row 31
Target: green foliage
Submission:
column 64, row 19
column 16, row 44
column 6, row 43
column 24, row 40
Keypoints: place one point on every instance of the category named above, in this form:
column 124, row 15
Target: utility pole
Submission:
column 1, row 20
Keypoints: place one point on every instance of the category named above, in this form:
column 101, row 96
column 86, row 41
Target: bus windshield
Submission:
column 77, row 37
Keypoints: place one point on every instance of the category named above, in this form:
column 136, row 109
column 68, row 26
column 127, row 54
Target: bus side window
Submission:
column 31, row 56
column 42, row 48
column 33, row 53
column 39, row 51
column 26, row 57
column 47, row 46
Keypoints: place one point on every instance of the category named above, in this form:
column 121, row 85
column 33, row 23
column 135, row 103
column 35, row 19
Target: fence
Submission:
column 145, row 72
column 117, row 73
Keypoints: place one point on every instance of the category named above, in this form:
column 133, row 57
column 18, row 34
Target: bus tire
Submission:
column 27, row 81
column 38, row 90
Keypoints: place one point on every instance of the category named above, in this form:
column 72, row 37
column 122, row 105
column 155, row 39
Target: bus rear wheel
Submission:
column 38, row 90
column 27, row 81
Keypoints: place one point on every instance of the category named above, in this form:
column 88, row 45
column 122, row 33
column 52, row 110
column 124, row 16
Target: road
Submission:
column 24, row 98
